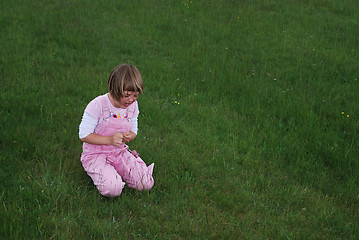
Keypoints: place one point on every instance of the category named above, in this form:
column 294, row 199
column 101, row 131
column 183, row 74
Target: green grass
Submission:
column 258, row 147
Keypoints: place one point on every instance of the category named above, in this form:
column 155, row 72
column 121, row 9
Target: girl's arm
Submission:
column 129, row 136
column 87, row 135
column 115, row 140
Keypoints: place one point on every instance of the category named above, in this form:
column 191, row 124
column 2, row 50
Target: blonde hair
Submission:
column 124, row 77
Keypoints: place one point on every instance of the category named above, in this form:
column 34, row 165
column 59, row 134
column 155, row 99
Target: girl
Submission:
column 109, row 121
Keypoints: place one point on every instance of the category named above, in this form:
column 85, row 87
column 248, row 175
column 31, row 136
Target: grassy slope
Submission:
column 257, row 148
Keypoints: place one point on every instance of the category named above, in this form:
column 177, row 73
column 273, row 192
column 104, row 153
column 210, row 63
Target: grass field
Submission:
column 250, row 114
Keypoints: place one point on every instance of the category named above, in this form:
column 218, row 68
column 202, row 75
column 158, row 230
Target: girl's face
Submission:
column 128, row 98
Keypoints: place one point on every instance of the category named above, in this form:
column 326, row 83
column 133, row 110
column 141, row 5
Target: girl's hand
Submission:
column 117, row 139
column 129, row 136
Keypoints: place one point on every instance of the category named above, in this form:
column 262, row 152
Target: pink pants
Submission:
column 110, row 172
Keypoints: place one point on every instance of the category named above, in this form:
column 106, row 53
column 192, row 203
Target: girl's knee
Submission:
column 147, row 181
column 147, row 185
column 112, row 189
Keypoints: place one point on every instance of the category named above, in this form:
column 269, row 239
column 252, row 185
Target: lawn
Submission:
column 249, row 112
